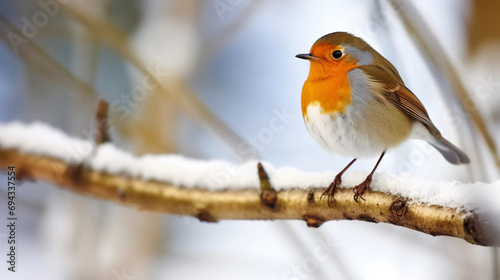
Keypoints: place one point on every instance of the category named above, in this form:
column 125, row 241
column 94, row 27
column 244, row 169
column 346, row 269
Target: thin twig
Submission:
column 38, row 59
column 267, row 193
column 223, row 37
column 102, row 123
column 182, row 96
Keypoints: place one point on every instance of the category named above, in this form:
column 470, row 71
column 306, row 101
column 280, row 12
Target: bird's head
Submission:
column 338, row 52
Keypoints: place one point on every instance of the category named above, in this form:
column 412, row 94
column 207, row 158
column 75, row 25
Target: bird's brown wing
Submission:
column 407, row 102
column 392, row 88
column 394, row 91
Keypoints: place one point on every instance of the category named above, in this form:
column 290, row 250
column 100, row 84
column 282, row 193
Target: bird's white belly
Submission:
column 338, row 132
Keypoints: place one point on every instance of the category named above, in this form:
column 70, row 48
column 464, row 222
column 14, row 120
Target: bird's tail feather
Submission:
column 449, row 151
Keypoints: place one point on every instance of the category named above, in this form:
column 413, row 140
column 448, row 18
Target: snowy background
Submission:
column 240, row 62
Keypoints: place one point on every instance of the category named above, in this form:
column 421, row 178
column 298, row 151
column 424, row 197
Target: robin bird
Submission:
column 355, row 103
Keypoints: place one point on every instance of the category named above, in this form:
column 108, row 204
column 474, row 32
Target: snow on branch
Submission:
column 216, row 190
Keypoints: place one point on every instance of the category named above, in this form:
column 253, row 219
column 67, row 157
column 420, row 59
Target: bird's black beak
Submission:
column 307, row 56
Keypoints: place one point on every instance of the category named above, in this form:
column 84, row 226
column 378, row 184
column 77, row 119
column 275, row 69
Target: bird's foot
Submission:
column 360, row 189
column 330, row 191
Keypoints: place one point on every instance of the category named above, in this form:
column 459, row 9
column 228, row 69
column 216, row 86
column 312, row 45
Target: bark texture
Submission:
column 252, row 204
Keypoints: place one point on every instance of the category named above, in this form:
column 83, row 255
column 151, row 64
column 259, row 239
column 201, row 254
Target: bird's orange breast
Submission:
column 330, row 89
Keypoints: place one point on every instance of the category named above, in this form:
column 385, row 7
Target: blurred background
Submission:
column 208, row 79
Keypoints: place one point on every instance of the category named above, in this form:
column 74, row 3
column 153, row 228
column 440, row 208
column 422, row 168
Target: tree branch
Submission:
column 247, row 204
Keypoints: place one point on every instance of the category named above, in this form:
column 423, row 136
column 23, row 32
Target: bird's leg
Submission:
column 336, row 183
column 360, row 189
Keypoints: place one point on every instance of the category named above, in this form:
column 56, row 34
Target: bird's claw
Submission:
column 360, row 189
column 330, row 191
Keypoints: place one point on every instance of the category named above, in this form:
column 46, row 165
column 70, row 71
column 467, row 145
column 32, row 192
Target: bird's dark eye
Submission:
column 337, row 54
